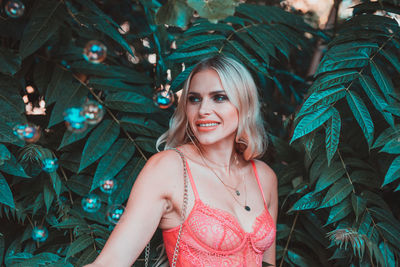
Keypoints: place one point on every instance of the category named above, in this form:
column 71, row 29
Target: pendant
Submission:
column 247, row 208
column 237, row 192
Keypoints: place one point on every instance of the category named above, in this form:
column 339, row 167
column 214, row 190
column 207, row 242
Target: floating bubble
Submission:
column 163, row 98
column 95, row 52
column 75, row 120
column 27, row 132
column 91, row 203
column 114, row 213
column 50, row 165
column 14, row 8
column 108, row 185
column 40, row 233
column 93, row 112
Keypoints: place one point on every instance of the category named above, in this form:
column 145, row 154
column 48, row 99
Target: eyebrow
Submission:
column 211, row 93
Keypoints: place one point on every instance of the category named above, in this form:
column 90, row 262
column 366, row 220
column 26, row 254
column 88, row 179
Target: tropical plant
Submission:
column 337, row 197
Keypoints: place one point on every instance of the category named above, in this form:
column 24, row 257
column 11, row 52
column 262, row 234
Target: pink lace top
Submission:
column 214, row 237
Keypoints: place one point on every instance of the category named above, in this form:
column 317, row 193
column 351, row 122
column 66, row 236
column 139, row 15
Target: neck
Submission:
column 219, row 158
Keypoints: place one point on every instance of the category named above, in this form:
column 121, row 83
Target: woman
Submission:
column 232, row 198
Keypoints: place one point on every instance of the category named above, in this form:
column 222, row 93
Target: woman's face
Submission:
column 211, row 116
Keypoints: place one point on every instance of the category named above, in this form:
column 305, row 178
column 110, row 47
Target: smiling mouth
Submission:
column 207, row 124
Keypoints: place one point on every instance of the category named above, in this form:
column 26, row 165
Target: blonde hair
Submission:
column 241, row 90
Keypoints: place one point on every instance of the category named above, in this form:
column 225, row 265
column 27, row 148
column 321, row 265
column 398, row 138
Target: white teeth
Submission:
column 207, row 124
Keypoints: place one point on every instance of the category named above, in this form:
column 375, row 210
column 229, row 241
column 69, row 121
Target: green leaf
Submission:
column 79, row 244
column 12, row 167
column 384, row 81
column 130, row 102
column 99, row 141
column 214, row 9
column 44, row 21
column 312, row 121
column 339, row 212
column 320, row 98
column 362, row 115
column 376, row 98
column 126, row 177
column 387, row 254
column 114, row 160
column 391, row 58
column 329, row 176
column 200, row 41
column 146, row 143
column 69, row 223
column 337, row 193
column 72, row 96
column 59, row 84
column 7, row 136
column 6, row 196
column 9, row 62
column 310, row 200
column 117, row 85
column 56, row 182
column 4, row 153
column 80, row 184
column 72, row 137
column 48, row 196
column 390, row 233
column 174, row 13
column 332, row 132
column 142, row 125
column 203, row 26
column 343, row 60
column 359, row 205
column 393, row 172
column 193, row 55
column 335, row 78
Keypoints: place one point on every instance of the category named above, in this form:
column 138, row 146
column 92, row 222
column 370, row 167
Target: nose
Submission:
column 205, row 107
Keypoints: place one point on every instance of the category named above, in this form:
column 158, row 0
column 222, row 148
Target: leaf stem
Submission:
column 290, row 236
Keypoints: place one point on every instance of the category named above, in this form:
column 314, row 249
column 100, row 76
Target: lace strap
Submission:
column 258, row 182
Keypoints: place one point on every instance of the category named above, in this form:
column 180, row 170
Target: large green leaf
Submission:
column 337, row 193
column 12, row 167
column 359, row 204
column 391, row 147
column 79, row 244
column 7, row 136
column 387, row 135
column 114, row 160
column 193, row 55
column 174, row 13
column 200, row 41
column 4, row 153
column 48, row 196
column 329, row 176
column 376, row 98
column 312, row 121
column 72, row 137
column 362, row 115
column 6, row 196
column 141, row 125
column 393, row 172
column 214, row 9
column 45, row 20
column 325, row 97
column 73, row 95
column 384, row 81
column 116, row 84
column 343, row 60
column 390, row 233
column 98, row 143
column 9, row 62
column 339, row 212
column 332, row 132
column 130, row 102
column 310, row 200
column 335, row 78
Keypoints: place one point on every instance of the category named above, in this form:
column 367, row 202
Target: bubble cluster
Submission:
column 75, row 120
column 14, row 8
column 50, row 164
column 40, row 233
column 93, row 112
column 114, row 213
column 27, row 132
column 108, row 185
column 91, row 203
column 163, row 98
column 95, row 52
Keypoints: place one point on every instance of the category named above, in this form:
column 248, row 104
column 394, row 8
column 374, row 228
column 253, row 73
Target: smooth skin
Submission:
column 157, row 195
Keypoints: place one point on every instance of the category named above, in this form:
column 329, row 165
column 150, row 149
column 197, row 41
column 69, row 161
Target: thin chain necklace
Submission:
column 246, row 207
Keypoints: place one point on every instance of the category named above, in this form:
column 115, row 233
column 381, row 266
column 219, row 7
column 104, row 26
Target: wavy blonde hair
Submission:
column 251, row 140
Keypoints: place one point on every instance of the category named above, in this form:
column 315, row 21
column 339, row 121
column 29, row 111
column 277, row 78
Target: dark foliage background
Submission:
column 334, row 136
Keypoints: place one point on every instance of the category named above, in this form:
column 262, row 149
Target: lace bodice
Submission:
column 214, row 237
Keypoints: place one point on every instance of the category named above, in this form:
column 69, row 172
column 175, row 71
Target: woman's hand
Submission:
column 147, row 203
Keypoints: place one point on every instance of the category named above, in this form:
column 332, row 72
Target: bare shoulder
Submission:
column 267, row 176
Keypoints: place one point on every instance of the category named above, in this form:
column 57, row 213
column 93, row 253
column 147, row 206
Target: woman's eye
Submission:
column 193, row 99
column 220, row 98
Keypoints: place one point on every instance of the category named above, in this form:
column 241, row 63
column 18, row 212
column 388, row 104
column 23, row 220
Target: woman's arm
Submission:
column 271, row 193
column 147, row 203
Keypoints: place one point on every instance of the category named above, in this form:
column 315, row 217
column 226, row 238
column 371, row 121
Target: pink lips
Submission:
column 206, row 128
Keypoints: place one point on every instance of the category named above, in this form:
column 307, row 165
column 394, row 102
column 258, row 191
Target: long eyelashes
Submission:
column 216, row 98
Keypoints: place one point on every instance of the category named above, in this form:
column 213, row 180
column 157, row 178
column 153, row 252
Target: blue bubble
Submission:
column 27, row 132
column 40, row 233
column 114, row 213
column 91, row 203
column 14, row 8
column 108, row 185
column 50, row 164
column 95, row 52
column 75, row 120
column 163, row 98
column 93, row 112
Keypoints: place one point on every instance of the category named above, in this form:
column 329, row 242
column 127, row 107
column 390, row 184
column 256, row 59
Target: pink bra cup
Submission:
column 214, row 237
